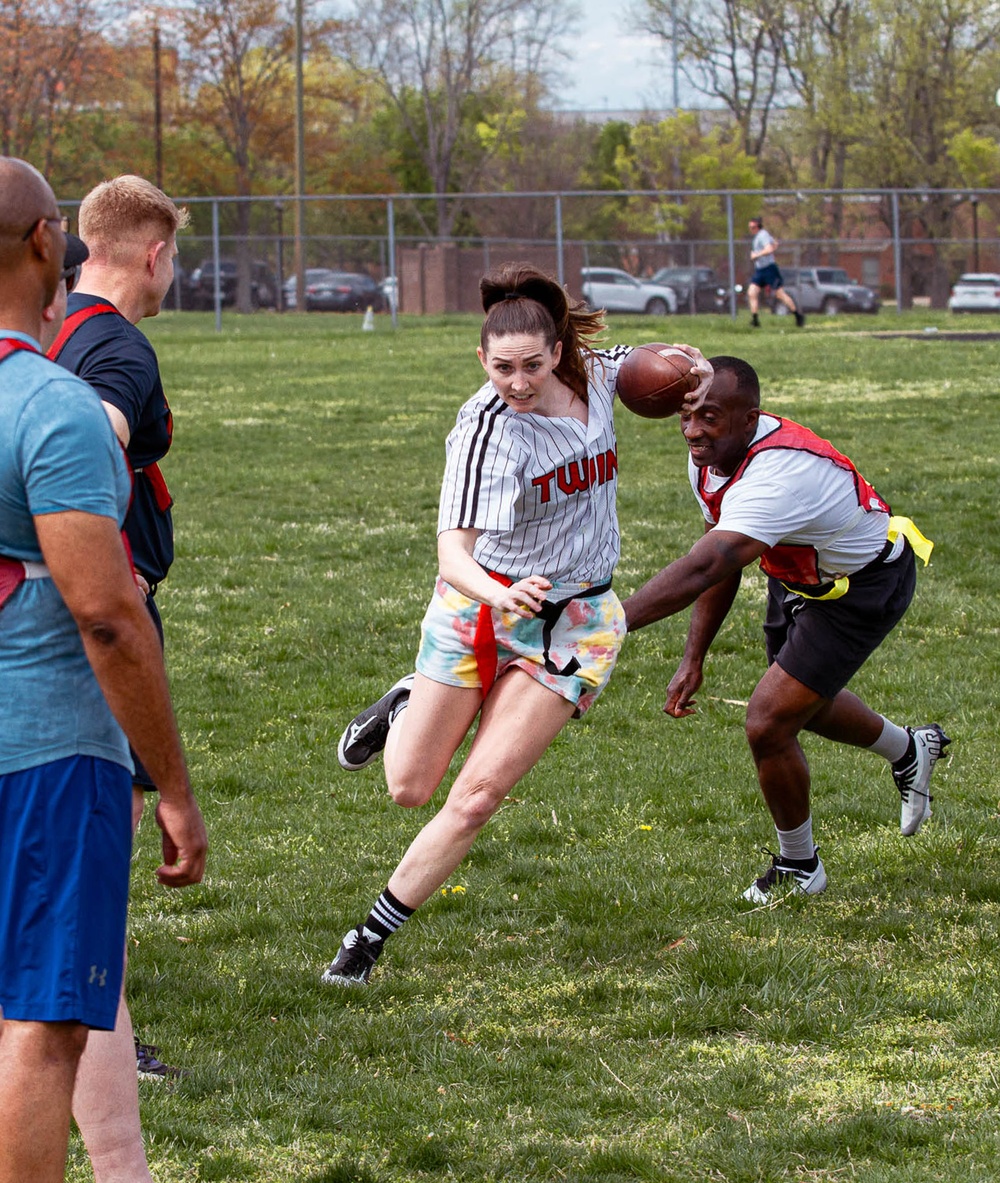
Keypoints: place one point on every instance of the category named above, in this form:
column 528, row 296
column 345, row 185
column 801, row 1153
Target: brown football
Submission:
column 654, row 385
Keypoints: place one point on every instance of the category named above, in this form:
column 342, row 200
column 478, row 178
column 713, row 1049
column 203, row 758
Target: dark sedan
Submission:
column 337, row 291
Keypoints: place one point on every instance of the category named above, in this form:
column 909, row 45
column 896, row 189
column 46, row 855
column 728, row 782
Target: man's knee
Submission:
column 44, row 1042
column 767, row 731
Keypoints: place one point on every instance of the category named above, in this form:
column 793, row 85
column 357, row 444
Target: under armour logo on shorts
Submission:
column 97, row 977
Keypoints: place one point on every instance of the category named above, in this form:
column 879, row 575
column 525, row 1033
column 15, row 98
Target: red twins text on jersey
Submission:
column 578, row 475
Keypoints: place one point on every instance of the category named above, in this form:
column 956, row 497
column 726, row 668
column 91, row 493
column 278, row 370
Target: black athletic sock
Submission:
column 386, row 916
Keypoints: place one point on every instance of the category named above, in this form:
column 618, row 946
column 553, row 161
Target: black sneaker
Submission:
column 355, row 961
column 366, row 734
column 150, row 1067
column 805, row 877
column 754, row 321
column 912, row 775
column 800, row 320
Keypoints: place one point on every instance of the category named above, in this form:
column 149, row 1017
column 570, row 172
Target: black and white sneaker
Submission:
column 355, row 961
column 366, row 734
column 150, row 1067
column 912, row 775
column 794, row 876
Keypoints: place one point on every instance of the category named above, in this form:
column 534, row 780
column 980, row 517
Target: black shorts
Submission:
column 823, row 643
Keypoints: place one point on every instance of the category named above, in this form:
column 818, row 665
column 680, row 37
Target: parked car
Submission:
column 824, row 289
column 976, row 291
column 709, row 293
column 617, row 291
column 337, row 291
column 201, row 286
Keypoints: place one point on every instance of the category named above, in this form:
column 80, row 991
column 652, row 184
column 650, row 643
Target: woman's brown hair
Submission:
column 519, row 298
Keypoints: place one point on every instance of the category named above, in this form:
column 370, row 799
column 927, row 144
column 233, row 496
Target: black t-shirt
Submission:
column 119, row 363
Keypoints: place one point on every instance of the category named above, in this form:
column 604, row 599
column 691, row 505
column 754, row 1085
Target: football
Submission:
column 652, row 384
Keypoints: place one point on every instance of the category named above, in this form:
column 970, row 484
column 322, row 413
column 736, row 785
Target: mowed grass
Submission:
column 587, row 999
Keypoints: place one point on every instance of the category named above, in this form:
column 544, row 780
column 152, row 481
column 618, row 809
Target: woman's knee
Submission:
column 473, row 803
column 411, row 787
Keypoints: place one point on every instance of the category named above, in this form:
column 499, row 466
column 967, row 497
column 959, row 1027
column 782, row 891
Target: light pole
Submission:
column 300, row 164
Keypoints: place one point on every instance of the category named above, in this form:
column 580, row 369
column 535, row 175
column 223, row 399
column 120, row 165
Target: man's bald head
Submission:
column 32, row 244
column 25, row 198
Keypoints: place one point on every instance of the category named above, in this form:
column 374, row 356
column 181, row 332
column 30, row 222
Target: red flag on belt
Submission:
column 12, row 575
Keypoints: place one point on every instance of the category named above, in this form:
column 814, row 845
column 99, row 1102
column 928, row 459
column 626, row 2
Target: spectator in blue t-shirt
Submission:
column 79, row 664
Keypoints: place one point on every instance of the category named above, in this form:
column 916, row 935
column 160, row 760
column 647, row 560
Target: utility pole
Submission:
column 300, row 167
column 157, row 107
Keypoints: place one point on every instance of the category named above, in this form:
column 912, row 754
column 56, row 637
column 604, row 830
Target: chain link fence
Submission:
column 909, row 246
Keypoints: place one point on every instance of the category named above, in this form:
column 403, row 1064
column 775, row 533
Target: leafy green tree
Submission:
column 674, row 155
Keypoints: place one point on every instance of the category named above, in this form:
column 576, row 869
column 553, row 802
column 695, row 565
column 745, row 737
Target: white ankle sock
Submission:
column 892, row 743
column 797, row 843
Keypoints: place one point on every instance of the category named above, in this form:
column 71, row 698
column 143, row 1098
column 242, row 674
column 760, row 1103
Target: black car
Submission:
column 709, row 293
column 201, row 285
column 337, row 291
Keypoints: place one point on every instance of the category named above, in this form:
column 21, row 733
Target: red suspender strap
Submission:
column 158, row 485
column 484, row 644
column 9, row 345
column 11, row 570
column 73, row 322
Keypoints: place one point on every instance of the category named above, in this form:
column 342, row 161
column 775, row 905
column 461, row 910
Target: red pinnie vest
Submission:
column 793, row 563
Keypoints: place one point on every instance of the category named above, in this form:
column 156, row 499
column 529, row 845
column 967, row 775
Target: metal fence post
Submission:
column 730, row 235
column 560, row 265
column 897, row 251
column 217, row 265
column 390, row 217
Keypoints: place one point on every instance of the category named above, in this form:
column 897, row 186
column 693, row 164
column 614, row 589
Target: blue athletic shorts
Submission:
column 65, row 850
column 768, row 277
column 823, row 643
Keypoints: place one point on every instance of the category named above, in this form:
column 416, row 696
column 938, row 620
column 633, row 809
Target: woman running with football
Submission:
column 523, row 629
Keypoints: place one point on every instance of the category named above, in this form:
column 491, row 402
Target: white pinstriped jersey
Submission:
column 540, row 490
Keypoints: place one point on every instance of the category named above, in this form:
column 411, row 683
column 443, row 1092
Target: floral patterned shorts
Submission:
column 572, row 648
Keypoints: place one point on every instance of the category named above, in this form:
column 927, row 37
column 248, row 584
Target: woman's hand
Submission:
column 524, row 597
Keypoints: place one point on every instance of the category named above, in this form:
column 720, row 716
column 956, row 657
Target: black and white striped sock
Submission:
column 386, row 916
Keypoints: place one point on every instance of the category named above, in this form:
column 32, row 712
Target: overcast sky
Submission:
column 613, row 70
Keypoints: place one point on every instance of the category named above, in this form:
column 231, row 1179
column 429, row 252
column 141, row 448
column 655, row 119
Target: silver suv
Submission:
column 825, row 289
column 617, row 291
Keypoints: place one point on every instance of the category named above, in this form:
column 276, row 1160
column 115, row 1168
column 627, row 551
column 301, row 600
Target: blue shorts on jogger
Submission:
column 65, row 851
column 768, row 277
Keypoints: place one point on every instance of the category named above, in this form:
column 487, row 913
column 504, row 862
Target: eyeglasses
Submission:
column 31, row 229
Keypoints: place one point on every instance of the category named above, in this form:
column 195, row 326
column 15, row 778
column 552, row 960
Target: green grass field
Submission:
column 587, row 999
